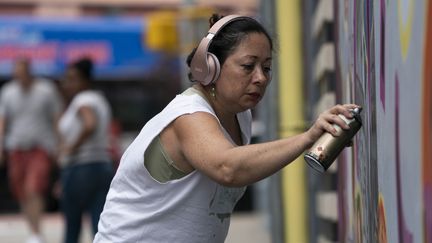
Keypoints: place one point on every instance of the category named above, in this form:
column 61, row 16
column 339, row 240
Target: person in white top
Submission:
column 29, row 110
column 87, row 168
column 181, row 177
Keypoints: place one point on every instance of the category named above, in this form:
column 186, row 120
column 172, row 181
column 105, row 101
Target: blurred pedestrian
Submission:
column 87, row 168
column 181, row 177
column 29, row 110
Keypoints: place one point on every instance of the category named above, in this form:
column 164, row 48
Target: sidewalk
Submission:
column 13, row 229
column 246, row 227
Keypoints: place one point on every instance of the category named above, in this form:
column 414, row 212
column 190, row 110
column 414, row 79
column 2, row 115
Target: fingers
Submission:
column 325, row 124
column 336, row 119
column 328, row 119
column 331, row 117
column 344, row 109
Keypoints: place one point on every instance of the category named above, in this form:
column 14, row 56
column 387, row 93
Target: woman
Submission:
column 87, row 167
column 181, row 177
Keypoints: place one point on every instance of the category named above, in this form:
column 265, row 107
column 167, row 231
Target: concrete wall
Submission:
column 383, row 62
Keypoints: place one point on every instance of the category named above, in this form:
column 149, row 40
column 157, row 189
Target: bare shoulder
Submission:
column 195, row 122
column 199, row 135
column 188, row 126
column 198, row 126
column 191, row 137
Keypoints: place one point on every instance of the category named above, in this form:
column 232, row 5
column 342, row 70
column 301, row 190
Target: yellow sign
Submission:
column 161, row 32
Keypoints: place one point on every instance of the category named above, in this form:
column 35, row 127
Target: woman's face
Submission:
column 72, row 83
column 245, row 74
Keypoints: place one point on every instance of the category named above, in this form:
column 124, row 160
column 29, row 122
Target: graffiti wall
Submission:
column 384, row 64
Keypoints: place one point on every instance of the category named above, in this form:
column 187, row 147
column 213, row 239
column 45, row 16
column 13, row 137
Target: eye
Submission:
column 267, row 69
column 248, row 67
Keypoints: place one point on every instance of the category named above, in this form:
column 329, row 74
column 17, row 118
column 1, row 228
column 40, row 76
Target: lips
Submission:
column 255, row 95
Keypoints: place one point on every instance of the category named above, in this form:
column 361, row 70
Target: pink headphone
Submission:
column 205, row 66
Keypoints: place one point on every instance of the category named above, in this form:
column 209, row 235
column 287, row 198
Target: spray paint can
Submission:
column 325, row 150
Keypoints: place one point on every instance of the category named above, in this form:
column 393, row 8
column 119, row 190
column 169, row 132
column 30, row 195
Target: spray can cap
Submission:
column 356, row 112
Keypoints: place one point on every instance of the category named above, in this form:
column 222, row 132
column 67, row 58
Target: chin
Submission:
column 251, row 105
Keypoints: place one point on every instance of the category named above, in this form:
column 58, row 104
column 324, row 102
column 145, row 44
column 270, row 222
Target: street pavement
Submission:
column 245, row 227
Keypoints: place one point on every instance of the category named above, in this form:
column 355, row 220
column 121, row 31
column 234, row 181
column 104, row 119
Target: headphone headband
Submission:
column 205, row 67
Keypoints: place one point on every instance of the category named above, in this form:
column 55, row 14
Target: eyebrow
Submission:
column 255, row 57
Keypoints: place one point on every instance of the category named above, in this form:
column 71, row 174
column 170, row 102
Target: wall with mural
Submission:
column 384, row 63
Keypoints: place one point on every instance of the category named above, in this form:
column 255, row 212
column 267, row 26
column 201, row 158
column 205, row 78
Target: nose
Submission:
column 261, row 77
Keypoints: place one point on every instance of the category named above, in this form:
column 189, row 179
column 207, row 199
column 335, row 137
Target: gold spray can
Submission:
column 325, row 150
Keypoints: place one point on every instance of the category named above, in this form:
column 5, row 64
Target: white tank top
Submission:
column 191, row 209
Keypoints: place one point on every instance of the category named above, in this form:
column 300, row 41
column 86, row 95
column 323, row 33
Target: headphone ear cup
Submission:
column 214, row 68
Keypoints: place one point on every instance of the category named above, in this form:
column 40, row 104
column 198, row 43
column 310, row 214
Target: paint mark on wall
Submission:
column 427, row 128
column 382, row 228
column 404, row 235
column 365, row 192
column 382, row 56
column 405, row 14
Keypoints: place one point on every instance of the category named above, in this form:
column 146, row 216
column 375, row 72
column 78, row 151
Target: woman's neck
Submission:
column 227, row 118
column 220, row 109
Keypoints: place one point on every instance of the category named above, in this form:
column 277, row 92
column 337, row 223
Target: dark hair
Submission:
column 84, row 67
column 230, row 36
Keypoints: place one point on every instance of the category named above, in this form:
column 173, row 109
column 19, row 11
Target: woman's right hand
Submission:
column 328, row 118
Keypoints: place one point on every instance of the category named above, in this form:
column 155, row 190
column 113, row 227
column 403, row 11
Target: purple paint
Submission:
column 369, row 51
column 382, row 56
column 367, row 39
column 428, row 213
column 404, row 235
column 367, row 27
column 355, row 37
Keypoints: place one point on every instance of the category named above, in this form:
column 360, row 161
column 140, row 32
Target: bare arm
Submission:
column 205, row 147
column 89, row 121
